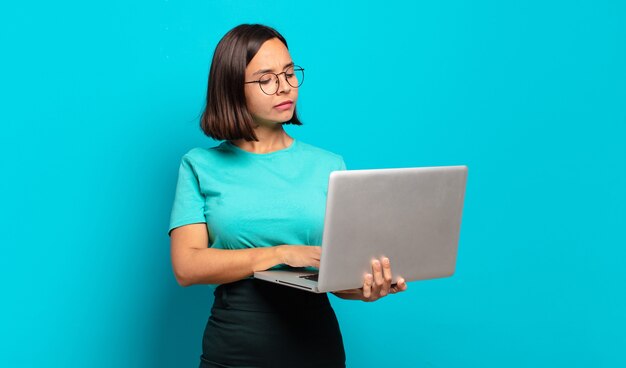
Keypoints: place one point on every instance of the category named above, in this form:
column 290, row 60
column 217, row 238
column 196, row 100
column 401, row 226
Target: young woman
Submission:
column 255, row 202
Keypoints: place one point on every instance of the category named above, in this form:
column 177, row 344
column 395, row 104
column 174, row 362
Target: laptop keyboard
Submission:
column 310, row 277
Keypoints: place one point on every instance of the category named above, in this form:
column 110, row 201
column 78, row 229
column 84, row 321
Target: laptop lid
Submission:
column 410, row 215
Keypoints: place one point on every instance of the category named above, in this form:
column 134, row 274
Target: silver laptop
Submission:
column 410, row 215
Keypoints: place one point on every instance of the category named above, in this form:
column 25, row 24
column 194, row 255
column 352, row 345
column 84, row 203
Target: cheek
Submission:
column 254, row 103
column 261, row 105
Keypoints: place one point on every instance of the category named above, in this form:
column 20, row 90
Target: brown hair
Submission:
column 226, row 116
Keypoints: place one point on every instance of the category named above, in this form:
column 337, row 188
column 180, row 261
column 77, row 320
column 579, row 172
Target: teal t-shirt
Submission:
column 253, row 200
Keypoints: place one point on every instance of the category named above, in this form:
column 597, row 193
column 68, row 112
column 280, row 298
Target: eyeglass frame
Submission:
column 278, row 79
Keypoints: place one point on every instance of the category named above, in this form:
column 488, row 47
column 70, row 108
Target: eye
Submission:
column 265, row 81
column 289, row 75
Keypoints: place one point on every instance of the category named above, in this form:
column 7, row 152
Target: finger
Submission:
column 394, row 289
column 401, row 285
column 378, row 276
column 367, row 286
column 386, row 275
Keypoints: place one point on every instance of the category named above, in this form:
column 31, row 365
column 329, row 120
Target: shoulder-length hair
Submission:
column 226, row 116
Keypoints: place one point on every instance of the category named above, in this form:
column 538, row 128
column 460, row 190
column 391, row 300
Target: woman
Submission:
column 255, row 202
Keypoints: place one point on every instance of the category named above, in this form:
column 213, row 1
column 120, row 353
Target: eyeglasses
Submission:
column 294, row 76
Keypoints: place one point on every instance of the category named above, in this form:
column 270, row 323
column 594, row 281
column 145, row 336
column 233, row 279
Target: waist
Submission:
column 263, row 296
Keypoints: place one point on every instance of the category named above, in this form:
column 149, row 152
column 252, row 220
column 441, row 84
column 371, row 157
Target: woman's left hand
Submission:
column 375, row 286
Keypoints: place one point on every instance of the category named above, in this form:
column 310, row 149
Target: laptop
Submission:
column 410, row 215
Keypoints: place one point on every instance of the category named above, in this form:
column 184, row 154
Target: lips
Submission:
column 288, row 102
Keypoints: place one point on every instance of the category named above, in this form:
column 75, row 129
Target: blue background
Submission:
column 101, row 99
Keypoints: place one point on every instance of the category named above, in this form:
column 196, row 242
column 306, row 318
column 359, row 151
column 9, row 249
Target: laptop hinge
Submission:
column 296, row 285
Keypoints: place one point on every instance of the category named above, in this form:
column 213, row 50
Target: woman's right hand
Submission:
column 300, row 255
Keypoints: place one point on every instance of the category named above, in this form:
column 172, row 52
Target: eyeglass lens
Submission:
column 293, row 76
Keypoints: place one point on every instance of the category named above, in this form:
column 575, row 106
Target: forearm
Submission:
column 220, row 266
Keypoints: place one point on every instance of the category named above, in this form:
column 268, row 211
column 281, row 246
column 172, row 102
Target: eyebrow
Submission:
column 271, row 70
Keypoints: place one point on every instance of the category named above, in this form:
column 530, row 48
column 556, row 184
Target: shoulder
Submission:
column 320, row 153
column 203, row 154
column 202, row 160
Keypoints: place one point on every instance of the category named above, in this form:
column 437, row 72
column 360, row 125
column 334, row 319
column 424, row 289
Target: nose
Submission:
column 283, row 86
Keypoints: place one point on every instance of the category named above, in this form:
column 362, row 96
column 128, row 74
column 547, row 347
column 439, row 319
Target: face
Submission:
column 273, row 57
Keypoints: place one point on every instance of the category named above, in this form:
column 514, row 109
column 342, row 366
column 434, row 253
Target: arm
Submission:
column 194, row 263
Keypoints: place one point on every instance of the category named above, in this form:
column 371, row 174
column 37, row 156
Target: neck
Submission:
column 271, row 138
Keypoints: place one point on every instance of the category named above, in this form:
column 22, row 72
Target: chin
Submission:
column 283, row 119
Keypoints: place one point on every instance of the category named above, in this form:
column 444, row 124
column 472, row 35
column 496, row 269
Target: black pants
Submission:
column 256, row 323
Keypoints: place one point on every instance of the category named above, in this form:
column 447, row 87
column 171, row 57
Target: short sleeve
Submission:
column 342, row 164
column 188, row 207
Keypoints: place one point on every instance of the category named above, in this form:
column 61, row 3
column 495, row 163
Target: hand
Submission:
column 376, row 286
column 300, row 255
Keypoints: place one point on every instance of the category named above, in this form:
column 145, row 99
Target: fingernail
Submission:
column 386, row 260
